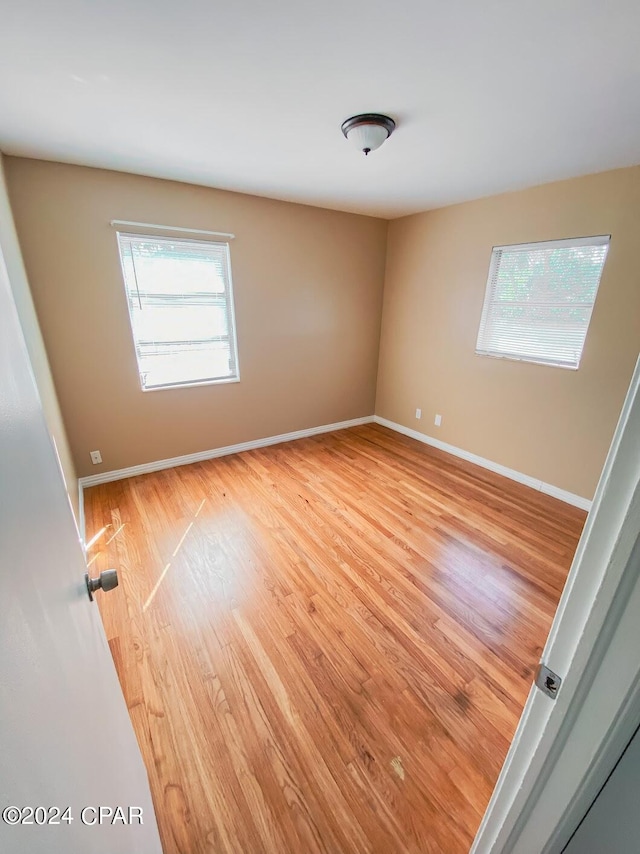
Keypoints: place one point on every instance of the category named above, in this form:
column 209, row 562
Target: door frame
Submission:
column 563, row 749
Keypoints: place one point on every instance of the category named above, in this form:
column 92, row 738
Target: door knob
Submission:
column 107, row 580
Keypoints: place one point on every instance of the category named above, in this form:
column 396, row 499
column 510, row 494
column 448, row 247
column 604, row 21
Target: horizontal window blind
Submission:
column 181, row 309
column 539, row 300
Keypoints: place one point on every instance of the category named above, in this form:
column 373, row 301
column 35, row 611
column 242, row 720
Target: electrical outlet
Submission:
column 96, row 457
column 438, row 420
column 418, row 413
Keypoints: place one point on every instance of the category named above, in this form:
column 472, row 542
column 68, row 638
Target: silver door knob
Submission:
column 107, row 580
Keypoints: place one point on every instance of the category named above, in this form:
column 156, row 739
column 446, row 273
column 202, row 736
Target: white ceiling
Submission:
column 248, row 95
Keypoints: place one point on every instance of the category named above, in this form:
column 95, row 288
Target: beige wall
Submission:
column 550, row 423
column 308, row 289
column 33, row 340
column 308, row 292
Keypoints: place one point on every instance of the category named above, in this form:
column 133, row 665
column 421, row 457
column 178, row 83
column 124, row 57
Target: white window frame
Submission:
column 229, row 299
column 496, row 255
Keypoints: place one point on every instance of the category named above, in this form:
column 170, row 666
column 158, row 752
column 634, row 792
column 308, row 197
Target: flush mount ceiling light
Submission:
column 368, row 131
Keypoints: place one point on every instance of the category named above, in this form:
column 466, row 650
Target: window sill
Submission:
column 225, row 381
column 528, row 360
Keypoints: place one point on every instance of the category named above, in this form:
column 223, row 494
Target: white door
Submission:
column 67, row 747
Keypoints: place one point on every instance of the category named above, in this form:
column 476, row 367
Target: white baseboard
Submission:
column 145, row 468
column 158, row 465
column 534, row 483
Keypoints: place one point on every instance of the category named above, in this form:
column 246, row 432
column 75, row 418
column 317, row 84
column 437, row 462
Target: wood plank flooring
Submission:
column 325, row 646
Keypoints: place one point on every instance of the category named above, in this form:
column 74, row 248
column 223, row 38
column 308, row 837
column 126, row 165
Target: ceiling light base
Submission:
column 368, row 130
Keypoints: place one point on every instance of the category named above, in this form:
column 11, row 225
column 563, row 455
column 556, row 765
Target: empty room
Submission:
column 318, row 406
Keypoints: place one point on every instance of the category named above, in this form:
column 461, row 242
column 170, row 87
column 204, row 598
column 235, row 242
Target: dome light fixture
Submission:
column 368, row 131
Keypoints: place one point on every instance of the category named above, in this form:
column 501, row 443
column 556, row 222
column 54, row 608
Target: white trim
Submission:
column 158, row 465
column 82, row 526
column 512, row 474
column 115, row 223
column 197, row 384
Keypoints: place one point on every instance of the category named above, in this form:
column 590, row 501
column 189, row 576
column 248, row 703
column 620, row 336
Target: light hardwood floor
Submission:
column 325, row 646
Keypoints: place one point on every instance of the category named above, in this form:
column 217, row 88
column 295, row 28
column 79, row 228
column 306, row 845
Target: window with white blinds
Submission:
column 181, row 309
column 539, row 300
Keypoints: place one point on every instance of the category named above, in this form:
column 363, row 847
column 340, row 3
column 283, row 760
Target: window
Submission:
column 181, row 309
column 539, row 300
